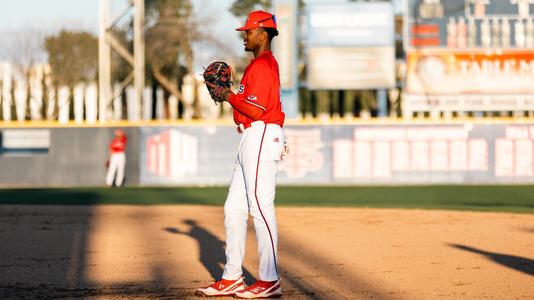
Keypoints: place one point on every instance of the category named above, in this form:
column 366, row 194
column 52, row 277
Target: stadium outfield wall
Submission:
column 334, row 153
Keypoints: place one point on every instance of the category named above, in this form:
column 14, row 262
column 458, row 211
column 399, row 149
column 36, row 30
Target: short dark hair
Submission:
column 271, row 32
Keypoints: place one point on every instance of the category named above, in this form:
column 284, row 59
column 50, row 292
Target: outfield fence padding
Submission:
column 347, row 154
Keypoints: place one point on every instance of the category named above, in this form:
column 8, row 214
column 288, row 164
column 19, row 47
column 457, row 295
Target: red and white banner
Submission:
column 350, row 154
column 171, row 154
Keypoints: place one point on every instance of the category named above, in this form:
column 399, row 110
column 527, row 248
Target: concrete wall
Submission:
column 75, row 157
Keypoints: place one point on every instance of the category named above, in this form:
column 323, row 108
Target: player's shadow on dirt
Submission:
column 518, row 263
column 308, row 285
column 211, row 254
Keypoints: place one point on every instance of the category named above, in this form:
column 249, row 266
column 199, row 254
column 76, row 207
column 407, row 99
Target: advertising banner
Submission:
column 349, row 154
column 350, row 25
column 471, row 72
column 471, row 80
column 350, row 46
column 351, row 68
column 24, row 141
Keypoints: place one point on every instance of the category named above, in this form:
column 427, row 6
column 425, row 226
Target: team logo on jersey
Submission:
column 252, row 98
column 241, row 89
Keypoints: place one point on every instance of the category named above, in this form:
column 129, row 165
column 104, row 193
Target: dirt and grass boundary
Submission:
column 505, row 198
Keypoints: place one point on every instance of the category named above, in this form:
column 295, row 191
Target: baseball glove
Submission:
column 218, row 80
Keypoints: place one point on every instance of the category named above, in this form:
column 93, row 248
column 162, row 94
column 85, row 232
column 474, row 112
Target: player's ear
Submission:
column 264, row 35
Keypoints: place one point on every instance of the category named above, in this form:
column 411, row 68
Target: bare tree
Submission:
column 172, row 31
column 242, row 7
column 44, row 88
column 168, row 41
column 73, row 58
column 24, row 50
column 1, row 99
column 13, row 106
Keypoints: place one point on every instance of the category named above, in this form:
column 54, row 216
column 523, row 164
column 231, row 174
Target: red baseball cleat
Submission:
column 261, row 289
column 222, row 287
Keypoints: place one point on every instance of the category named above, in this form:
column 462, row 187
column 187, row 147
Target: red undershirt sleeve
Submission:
column 238, row 103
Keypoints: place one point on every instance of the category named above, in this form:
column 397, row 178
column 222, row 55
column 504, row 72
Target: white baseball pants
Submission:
column 252, row 190
column 117, row 162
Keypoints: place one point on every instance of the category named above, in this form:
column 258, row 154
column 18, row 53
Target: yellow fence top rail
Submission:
column 294, row 122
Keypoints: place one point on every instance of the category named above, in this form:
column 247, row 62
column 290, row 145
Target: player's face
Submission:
column 251, row 39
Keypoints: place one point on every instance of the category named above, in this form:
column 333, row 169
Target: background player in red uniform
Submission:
column 117, row 159
column 259, row 116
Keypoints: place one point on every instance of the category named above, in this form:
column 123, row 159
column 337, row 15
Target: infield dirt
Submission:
column 166, row 252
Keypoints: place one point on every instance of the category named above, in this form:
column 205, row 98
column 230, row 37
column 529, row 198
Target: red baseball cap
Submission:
column 259, row 18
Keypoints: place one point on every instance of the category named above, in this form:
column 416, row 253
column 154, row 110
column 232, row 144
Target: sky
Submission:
column 50, row 16
column 83, row 14
column 77, row 14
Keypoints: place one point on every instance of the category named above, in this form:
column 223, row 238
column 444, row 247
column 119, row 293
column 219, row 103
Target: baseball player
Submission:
column 258, row 113
column 117, row 159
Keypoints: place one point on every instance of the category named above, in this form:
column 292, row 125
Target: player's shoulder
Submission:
column 261, row 61
column 264, row 62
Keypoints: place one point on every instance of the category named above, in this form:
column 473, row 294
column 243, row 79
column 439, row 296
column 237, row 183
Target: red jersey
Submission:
column 260, row 87
column 118, row 144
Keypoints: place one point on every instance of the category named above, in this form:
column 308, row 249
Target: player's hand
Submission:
column 285, row 151
column 218, row 93
column 218, row 80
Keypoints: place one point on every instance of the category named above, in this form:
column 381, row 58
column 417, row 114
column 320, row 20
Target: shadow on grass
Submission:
column 92, row 196
column 49, row 196
column 460, row 197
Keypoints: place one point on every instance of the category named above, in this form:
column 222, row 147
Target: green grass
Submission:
column 455, row 197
